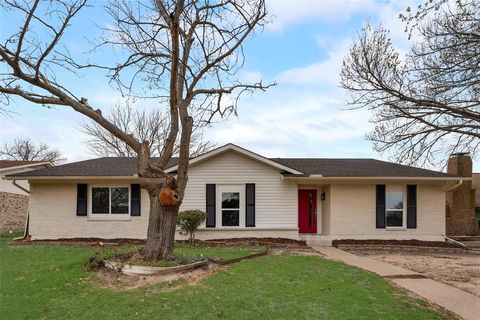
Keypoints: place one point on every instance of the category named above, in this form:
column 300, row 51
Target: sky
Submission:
column 304, row 115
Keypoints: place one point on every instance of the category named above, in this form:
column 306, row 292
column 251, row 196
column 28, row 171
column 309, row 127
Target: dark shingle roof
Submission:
column 324, row 167
column 95, row 167
column 356, row 168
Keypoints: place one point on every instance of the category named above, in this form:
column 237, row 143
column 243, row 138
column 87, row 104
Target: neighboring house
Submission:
column 460, row 205
column 14, row 199
column 246, row 195
column 476, row 188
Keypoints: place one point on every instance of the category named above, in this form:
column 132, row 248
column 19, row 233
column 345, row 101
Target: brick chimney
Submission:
column 460, row 219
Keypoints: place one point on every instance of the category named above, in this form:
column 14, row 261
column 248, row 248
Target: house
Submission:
column 246, row 195
column 13, row 195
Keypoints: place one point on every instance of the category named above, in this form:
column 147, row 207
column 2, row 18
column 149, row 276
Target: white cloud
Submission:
column 287, row 122
column 250, row 76
column 288, row 12
column 320, row 73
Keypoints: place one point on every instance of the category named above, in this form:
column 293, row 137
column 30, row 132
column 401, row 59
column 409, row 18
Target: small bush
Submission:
column 189, row 221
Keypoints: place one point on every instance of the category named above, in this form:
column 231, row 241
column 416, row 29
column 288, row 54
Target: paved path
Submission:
column 462, row 303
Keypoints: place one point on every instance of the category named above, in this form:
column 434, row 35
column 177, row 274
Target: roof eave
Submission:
column 320, row 178
column 44, row 163
column 10, row 177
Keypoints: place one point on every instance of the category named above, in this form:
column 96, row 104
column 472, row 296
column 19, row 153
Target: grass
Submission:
column 52, row 282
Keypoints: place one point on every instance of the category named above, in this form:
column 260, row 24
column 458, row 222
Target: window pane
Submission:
column 230, row 200
column 394, row 218
column 100, row 200
column 394, row 200
column 119, row 200
column 230, row 218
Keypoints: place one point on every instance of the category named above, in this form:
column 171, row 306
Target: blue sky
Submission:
column 303, row 116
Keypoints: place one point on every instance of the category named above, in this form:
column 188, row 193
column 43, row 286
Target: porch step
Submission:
column 316, row 240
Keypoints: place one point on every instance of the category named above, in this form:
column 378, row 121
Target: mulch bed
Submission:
column 410, row 243
column 81, row 241
column 250, row 242
column 259, row 242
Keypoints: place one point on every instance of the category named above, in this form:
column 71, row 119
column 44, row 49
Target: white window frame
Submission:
column 109, row 215
column 403, row 190
column 230, row 188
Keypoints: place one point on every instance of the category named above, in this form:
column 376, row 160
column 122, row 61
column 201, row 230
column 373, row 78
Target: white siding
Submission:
column 275, row 199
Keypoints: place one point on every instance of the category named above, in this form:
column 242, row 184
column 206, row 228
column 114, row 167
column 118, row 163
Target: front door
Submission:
column 307, row 211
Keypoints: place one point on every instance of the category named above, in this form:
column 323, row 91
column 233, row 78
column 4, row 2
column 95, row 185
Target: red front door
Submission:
column 307, row 211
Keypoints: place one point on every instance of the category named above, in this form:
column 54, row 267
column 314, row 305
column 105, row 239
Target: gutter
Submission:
column 323, row 178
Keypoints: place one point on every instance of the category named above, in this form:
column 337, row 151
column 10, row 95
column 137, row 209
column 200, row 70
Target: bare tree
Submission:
column 183, row 52
column 152, row 125
column 427, row 103
column 27, row 150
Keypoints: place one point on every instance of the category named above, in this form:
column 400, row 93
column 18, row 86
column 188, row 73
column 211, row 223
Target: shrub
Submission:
column 189, row 221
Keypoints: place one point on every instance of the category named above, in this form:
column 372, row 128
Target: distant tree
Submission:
column 27, row 150
column 152, row 125
column 426, row 104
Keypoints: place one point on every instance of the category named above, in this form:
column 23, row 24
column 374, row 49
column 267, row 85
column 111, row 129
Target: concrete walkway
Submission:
column 462, row 303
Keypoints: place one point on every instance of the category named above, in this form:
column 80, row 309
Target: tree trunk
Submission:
column 161, row 228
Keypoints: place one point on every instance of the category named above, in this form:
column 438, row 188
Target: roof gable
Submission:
column 242, row 151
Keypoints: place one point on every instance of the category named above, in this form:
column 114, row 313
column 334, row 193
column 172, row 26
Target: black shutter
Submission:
column 136, row 200
column 411, row 206
column 211, row 206
column 380, row 206
column 81, row 199
column 250, row 205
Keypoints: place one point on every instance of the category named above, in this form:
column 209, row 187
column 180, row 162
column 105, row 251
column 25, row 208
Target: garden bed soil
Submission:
column 260, row 242
column 81, row 241
column 107, row 278
column 457, row 267
column 250, row 242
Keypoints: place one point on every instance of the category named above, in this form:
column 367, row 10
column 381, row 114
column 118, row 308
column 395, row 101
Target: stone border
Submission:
column 149, row 270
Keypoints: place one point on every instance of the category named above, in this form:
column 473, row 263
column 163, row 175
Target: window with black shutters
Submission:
column 110, row 200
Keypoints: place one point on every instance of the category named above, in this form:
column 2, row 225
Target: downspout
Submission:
column 14, row 182
column 25, row 231
column 458, row 184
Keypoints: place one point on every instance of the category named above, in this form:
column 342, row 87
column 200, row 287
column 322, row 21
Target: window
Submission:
column 394, row 209
column 230, row 209
column 230, row 205
column 110, row 200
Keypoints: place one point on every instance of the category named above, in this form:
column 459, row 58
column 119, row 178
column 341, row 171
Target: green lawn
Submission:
column 52, row 282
